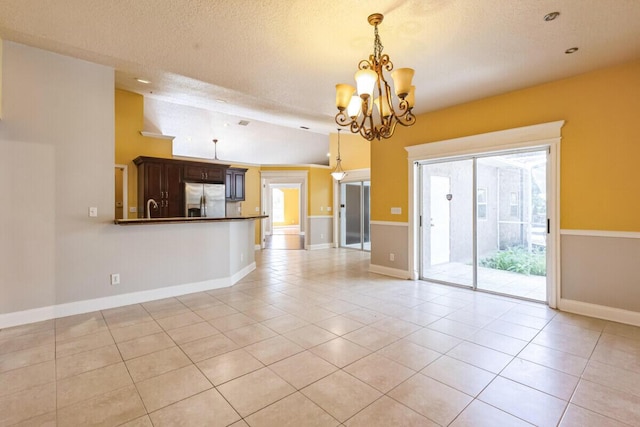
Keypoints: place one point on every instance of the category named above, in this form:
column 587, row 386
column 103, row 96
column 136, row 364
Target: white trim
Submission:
column 88, row 306
column 526, row 136
column 388, row 271
column 297, row 165
column 601, row 233
column 536, row 136
column 600, row 311
column 355, row 175
column 125, row 190
column 401, row 224
column 320, row 216
column 320, row 246
column 156, row 135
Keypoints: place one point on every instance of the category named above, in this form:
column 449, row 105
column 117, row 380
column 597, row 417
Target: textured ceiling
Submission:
column 275, row 63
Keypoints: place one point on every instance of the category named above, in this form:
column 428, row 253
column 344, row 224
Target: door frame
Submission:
column 268, row 178
column 354, row 175
column 545, row 135
column 125, row 189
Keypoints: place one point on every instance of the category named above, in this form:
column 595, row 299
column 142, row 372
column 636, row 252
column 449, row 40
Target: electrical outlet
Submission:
column 241, row 257
column 321, row 236
column 93, row 211
column 392, row 257
column 115, row 279
column 133, row 209
column 328, row 208
column 257, row 209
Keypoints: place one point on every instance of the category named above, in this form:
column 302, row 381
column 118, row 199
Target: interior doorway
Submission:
column 279, row 234
column 485, row 222
column 285, row 213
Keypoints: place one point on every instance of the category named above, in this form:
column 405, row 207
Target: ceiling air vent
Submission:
column 243, row 122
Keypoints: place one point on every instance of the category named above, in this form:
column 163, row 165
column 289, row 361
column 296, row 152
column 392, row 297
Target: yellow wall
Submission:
column 320, row 191
column 355, row 151
column 129, row 121
column 600, row 148
column 291, row 207
column 129, row 144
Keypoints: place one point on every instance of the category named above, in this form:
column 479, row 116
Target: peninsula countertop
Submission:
column 150, row 221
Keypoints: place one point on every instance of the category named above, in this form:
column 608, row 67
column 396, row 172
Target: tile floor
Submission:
column 313, row 339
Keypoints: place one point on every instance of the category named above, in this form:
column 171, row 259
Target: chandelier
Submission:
column 357, row 111
column 338, row 173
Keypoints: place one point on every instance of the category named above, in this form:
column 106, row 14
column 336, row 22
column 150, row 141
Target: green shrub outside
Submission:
column 518, row 260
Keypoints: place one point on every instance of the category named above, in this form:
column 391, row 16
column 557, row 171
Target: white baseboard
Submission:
column 87, row 306
column 600, row 311
column 388, row 271
column 320, row 246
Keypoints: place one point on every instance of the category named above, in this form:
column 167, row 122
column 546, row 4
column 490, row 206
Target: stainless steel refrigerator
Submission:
column 204, row 200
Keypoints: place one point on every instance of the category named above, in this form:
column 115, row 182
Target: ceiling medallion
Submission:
column 357, row 111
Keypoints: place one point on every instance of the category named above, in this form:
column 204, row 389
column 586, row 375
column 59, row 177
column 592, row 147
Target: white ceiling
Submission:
column 275, row 63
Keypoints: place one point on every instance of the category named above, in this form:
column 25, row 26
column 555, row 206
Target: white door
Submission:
column 440, row 187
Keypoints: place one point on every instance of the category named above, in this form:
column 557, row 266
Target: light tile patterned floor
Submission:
column 313, row 339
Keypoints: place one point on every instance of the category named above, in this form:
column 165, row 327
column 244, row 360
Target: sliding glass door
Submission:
column 354, row 215
column 447, row 222
column 484, row 222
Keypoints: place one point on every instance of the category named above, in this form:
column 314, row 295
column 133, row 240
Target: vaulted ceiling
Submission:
column 274, row 63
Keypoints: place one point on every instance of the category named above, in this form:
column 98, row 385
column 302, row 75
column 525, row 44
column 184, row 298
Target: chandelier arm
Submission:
column 407, row 119
column 342, row 119
column 366, row 64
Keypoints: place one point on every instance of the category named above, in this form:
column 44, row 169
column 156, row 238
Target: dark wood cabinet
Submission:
column 195, row 173
column 234, row 184
column 163, row 181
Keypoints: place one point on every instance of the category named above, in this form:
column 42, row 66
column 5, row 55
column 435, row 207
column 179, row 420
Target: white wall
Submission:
column 56, row 160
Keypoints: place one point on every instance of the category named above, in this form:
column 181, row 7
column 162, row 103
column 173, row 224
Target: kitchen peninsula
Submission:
column 148, row 221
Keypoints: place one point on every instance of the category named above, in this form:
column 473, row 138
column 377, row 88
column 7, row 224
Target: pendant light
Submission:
column 338, row 174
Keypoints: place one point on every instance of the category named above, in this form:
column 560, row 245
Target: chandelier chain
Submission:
column 377, row 45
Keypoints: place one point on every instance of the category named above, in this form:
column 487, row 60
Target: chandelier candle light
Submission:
column 356, row 111
column 338, row 174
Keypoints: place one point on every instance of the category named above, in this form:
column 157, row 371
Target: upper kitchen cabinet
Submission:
column 234, row 184
column 159, row 188
column 202, row 173
column 162, row 181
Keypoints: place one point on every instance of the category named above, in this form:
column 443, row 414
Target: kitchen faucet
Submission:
column 155, row 206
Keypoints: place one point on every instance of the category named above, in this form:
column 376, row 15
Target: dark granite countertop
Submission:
column 149, row 221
